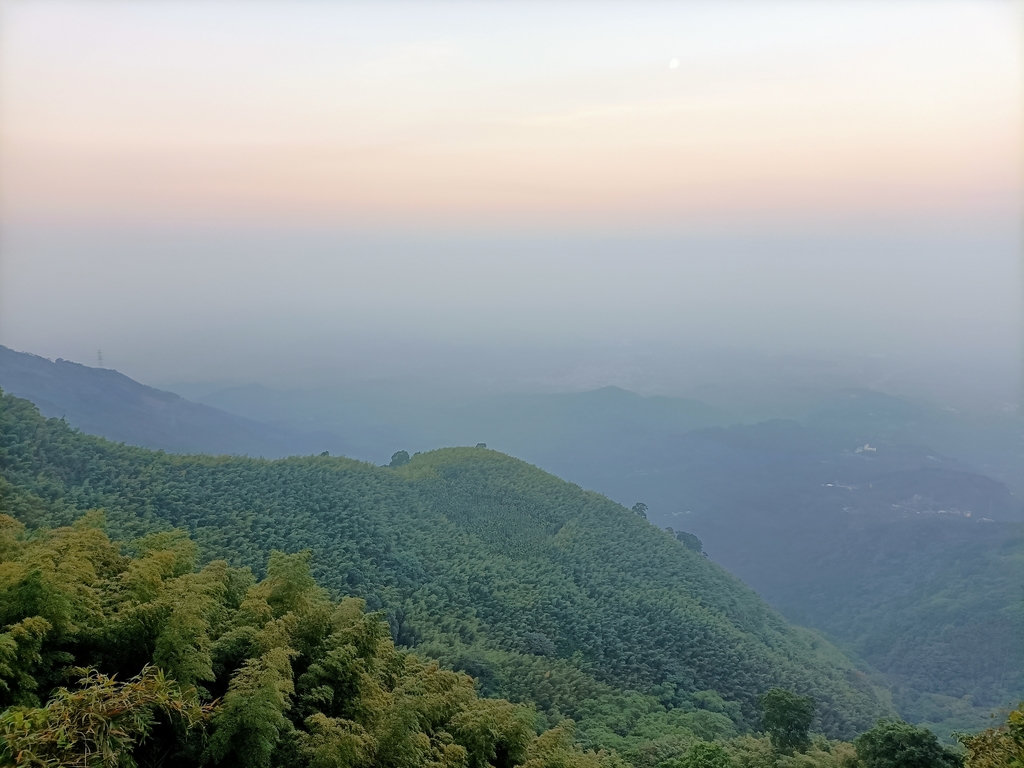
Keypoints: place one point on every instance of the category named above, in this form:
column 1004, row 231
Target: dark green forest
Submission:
column 182, row 667
column 318, row 578
column 124, row 654
column 910, row 556
column 543, row 592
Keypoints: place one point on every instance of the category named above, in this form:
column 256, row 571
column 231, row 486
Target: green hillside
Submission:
column 174, row 666
column 544, row 592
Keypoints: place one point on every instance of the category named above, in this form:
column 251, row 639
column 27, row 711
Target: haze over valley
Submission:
column 512, row 385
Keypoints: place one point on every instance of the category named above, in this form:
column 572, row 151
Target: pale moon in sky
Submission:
column 673, row 64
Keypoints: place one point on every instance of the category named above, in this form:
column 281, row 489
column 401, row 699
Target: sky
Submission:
column 243, row 191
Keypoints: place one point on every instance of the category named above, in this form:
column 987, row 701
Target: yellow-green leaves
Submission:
column 20, row 659
column 97, row 725
column 334, row 743
column 251, row 721
column 1001, row 747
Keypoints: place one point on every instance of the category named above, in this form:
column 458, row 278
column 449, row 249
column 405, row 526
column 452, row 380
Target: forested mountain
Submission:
column 125, row 654
column 183, row 667
column 105, row 402
column 544, row 592
column 850, row 515
column 909, row 559
column 888, row 523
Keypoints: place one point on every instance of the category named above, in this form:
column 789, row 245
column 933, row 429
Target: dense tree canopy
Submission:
column 543, row 592
column 222, row 670
column 894, row 744
column 1001, row 747
column 787, row 718
column 230, row 626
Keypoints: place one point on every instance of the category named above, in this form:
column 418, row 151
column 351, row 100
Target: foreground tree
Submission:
column 100, row 724
column 787, row 718
column 1001, row 747
column 895, row 744
column 229, row 673
column 703, row 754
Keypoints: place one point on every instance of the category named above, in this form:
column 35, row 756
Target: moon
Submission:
column 673, row 64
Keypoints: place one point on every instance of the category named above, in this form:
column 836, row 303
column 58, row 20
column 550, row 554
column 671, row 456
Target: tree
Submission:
column 252, row 719
column 290, row 678
column 399, row 459
column 689, row 541
column 98, row 725
column 787, row 718
column 703, row 754
column 1001, row 747
column 895, row 744
column 640, row 510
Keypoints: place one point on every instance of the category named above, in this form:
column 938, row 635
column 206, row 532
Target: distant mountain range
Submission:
column 107, row 403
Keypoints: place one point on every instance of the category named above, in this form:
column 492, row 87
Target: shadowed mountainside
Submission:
column 107, row 403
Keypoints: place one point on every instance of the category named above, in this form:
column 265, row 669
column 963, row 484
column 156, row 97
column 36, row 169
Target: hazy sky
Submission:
column 185, row 185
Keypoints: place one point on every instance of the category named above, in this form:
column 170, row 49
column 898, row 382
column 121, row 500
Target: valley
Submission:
column 853, row 543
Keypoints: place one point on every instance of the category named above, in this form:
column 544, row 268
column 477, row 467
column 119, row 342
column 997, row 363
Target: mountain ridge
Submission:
column 107, row 403
column 865, row 546
column 593, row 599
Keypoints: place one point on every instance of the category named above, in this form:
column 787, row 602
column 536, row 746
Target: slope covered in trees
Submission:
column 124, row 654
column 183, row 667
column 544, row 592
column 915, row 570
column 852, row 542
